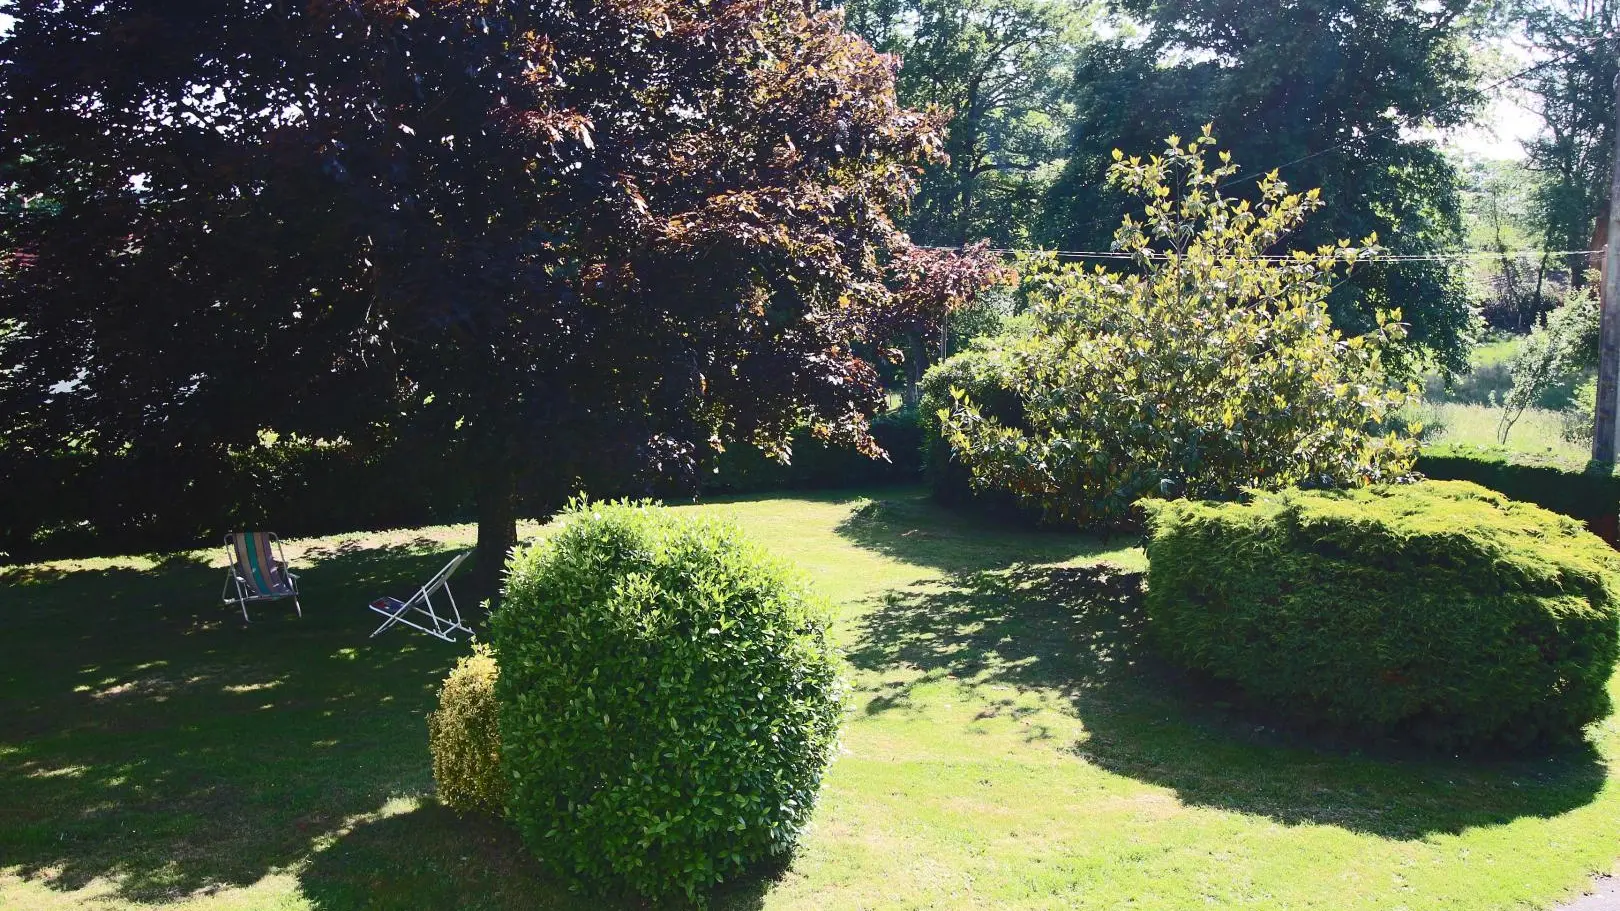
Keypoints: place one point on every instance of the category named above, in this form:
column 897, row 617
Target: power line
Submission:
column 1285, row 257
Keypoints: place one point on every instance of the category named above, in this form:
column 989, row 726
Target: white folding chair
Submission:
column 439, row 627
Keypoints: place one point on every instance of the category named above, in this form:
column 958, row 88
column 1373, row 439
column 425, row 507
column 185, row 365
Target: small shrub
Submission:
column 979, row 372
column 1556, row 353
column 1577, row 419
column 464, row 737
column 1439, row 613
column 669, row 701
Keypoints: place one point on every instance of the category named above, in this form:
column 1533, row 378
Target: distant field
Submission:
column 1538, row 431
column 1466, row 410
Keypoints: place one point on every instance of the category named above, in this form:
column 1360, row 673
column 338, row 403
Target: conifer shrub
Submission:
column 1581, row 490
column 464, row 737
column 669, row 701
column 1439, row 613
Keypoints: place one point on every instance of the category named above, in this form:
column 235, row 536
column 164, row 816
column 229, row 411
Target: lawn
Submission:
column 1468, row 410
column 1009, row 744
column 1537, row 432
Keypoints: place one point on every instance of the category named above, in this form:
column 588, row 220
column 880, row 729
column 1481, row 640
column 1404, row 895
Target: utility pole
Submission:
column 1608, row 386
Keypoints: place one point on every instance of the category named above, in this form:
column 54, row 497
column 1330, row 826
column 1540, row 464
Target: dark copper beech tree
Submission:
column 590, row 237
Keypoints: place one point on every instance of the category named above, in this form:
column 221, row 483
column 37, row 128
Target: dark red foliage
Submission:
column 590, row 236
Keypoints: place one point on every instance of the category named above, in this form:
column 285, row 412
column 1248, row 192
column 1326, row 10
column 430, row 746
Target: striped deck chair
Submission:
column 258, row 570
column 421, row 605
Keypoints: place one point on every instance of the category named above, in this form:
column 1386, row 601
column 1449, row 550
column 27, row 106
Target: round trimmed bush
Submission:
column 1440, row 613
column 464, row 737
column 669, row 701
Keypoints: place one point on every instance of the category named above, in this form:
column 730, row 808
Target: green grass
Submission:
column 1538, row 431
column 1010, row 744
column 1466, row 411
column 1497, row 350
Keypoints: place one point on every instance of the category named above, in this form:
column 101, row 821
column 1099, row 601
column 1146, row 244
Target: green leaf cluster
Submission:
column 976, row 375
column 1210, row 367
column 464, row 737
column 1439, row 613
column 669, row 701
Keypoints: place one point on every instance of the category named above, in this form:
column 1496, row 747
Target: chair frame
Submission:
column 246, row 592
column 422, row 603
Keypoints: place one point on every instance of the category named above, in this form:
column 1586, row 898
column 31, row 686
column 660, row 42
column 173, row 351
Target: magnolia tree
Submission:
column 569, row 240
column 1211, row 367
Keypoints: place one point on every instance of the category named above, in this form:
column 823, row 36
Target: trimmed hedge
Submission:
column 1582, row 491
column 668, row 700
column 818, row 465
column 71, row 505
column 464, row 738
column 154, row 499
column 1439, row 613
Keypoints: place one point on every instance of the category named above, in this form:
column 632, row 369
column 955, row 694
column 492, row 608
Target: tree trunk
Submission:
column 497, row 528
column 914, row 355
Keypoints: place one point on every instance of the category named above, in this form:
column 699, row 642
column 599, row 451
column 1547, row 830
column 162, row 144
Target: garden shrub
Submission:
column 1439, row 613
column 979, row 373
column 819, row 465
column 669, row 701
column 464, row 737
column 1558, row 352
column 1208, row 366
column 1579, row 489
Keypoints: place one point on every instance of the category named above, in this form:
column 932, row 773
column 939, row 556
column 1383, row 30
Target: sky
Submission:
column 1506, row 126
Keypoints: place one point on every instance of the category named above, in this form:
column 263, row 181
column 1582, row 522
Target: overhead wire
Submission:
column 1288, row 257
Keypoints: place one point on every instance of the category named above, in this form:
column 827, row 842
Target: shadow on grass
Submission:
column 918, row 531
column 1077, row 632
column 150, row 738
column 431, row 857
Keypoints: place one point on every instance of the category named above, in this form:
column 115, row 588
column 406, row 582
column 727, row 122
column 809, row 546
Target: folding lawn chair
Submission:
column 398, row 611
column 258, row 569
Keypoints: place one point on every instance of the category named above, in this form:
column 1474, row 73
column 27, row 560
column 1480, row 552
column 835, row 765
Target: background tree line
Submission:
column 1345, row 95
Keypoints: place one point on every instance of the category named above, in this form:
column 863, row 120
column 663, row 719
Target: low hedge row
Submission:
column 1440, row 613
column 1584, row 491
column 68, row 505
column 817, row 465
column 145, row 500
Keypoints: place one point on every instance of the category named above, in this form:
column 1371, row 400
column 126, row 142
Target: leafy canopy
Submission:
column 587, row 240
column 1337, row 89
column 1210, row 368
column 999, row 69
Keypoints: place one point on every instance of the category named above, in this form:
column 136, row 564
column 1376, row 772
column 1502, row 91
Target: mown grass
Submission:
column 1010, row 744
